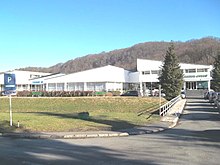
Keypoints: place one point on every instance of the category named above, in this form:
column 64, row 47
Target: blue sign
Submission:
column 9, row 82
column 37, row 82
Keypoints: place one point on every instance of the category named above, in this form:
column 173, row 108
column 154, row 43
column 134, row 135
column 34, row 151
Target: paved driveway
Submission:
column 195, row 140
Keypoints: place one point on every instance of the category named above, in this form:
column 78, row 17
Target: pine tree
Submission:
column 171, row 78
column 216, row 74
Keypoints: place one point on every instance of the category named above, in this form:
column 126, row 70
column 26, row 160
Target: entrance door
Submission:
column 190, row 85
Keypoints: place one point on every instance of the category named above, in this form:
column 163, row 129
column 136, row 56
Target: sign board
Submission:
column 37, row 82
column 9, row 88
column 9, row 83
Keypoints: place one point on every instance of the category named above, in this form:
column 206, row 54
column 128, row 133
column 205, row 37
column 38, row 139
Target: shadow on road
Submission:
column 209, row 135
column 25, row 151
column 199, row 122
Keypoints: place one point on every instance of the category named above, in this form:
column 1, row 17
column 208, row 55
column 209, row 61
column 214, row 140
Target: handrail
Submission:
column 166, row 107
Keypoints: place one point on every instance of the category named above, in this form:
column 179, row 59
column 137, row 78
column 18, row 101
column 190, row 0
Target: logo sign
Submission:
column 9, row 83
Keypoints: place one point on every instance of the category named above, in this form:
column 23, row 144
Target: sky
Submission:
column 42, row 33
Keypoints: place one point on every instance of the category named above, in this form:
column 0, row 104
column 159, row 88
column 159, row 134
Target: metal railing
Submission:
column 166, row 107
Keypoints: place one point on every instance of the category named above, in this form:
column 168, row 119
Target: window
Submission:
column 190, row 70
column 146, row 72
column 155, row 72
column 91, row 86
column 202, row 70
column 60, row 86
column 190, row 76
column 99, row 86
column 34, row 76
column 51, row 86
column 70, row 86
column 25, row 87
column 79, row 86
column 18, row 87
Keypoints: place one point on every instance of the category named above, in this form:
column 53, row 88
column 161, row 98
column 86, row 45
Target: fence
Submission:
column 166, row 107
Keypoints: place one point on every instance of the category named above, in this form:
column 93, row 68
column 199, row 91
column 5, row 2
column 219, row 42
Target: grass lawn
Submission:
column 62, row 114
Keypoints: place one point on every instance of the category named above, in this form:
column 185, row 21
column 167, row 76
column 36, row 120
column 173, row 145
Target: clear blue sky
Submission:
column 43, row 33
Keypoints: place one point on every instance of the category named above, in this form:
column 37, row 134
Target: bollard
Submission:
column 18, row 124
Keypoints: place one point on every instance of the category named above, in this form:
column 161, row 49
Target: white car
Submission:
column 183, row 94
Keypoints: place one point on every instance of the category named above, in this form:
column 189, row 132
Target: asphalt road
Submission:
column 195, row 140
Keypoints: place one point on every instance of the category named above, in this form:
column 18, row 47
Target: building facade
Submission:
column 107, row 78
column 111, row 78
column 196, row 77
column 23, row 80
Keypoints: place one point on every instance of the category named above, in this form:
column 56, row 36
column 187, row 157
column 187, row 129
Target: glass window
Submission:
column 25, row 87
column 99, row 86
column 70, row 87
column 18, row 87
column 146, row 72
column 51, row 86
column 190, row 70
column 79, row 86
column 202, row 70
column 155, row 72
column 60, row 86
column 91, row 86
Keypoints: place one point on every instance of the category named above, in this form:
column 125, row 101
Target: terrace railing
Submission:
column 166, row 107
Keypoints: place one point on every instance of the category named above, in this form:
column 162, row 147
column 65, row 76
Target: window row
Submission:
column 196, row 70
column 151, row 72
column 85, row 86
column 186, row 71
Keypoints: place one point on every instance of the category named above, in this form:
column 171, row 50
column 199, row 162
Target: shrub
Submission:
column 116, row 93
column 109, row 94
column 24, row 93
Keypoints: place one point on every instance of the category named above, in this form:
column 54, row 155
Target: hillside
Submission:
column 199, row 51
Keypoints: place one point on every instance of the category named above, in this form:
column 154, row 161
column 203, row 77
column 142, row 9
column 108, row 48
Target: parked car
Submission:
column 131, row 93
column 216, row 97
column 207, row 94
column 183, row 94
column 211, row 97
column 218, row 103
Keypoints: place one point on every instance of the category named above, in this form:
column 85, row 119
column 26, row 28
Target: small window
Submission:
column 202, row 70
column 146, row 72
column 154, row 71
column 190, row 70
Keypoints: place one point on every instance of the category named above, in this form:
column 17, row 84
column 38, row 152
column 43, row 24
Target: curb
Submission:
column 81, row 136
column 67, row 136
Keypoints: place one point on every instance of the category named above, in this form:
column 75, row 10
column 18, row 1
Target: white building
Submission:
column 110, row 78
column 107, row 78
column 195, row 76
column 23, row 80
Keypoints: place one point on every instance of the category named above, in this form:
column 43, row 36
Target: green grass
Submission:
column 61, row 114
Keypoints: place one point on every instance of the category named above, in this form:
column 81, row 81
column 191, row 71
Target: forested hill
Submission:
column 198, row 51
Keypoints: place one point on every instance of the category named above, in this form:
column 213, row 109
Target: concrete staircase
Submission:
column 195, row 93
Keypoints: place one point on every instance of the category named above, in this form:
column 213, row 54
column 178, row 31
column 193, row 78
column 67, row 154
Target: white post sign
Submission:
column 9, row 88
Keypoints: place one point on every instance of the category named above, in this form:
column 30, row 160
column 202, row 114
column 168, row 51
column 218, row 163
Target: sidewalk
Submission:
column 168, row 121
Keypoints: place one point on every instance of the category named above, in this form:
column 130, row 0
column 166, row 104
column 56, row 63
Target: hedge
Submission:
column 65, row 93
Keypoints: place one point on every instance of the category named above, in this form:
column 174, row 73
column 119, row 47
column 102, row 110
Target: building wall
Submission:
column 22, row 79
column 200, row 75
column 109, row 78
